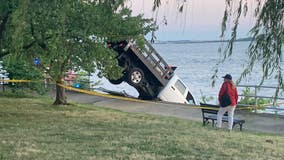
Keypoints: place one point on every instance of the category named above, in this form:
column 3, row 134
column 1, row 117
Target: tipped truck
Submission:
column 148, row 72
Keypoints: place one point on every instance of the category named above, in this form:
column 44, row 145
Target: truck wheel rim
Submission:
column 136, row 77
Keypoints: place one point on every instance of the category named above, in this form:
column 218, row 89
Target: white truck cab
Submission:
column 176, row 91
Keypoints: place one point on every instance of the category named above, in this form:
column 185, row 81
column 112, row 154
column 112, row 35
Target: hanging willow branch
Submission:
column 156, row 5
column 267, row 34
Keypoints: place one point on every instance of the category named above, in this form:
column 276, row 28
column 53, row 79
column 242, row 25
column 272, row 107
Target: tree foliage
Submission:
column 20, row 69
column 69, row 34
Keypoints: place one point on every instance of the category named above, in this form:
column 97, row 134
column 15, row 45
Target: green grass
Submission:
column 31, row 128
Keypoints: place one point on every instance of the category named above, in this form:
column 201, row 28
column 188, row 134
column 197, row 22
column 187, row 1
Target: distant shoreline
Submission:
column 201, row 41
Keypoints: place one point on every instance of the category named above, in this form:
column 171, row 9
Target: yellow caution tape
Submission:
column 143, row 101
column 100, row 94
column 19, row 81
column 271, row 104
column 126, row 98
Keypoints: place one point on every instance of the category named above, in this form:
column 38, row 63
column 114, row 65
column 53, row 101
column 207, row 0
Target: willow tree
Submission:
column 267, row 36
column 70, row 34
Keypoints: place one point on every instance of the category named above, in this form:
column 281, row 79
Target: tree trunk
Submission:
column 3, row 23
column 60, row 94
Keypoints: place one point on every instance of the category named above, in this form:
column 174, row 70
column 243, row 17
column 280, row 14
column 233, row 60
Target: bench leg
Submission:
column 213, row 123
column 240, row 124
column 233, row 124
column 205, row 121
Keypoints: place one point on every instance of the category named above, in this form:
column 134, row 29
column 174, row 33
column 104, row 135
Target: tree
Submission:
column 71, row 34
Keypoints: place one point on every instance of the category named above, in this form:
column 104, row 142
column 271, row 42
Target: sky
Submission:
column 201, row 19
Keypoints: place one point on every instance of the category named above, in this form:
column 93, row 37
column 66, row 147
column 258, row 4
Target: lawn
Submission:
column 31, row 128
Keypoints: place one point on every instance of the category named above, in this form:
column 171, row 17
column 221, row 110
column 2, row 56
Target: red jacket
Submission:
column 232, row 92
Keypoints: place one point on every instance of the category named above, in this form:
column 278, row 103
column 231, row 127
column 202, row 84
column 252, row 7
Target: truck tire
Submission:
column 116, row 81
column 145, row 96
column 135, row 77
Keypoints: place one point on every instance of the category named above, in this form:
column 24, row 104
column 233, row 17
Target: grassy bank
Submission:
column 31, row 128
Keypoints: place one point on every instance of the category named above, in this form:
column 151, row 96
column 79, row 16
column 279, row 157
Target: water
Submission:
column 195, row 66
column 196, row 63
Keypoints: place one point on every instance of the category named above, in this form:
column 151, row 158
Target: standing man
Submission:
column 228, row 90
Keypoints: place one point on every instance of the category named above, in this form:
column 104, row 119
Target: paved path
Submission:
column 254, row 122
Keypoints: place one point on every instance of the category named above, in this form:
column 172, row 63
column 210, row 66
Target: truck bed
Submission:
column 153, row 61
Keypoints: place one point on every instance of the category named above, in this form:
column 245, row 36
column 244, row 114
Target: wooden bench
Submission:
column 209, row 113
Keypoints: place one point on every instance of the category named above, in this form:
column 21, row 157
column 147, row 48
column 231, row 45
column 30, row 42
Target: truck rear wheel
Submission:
column 135, row 76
